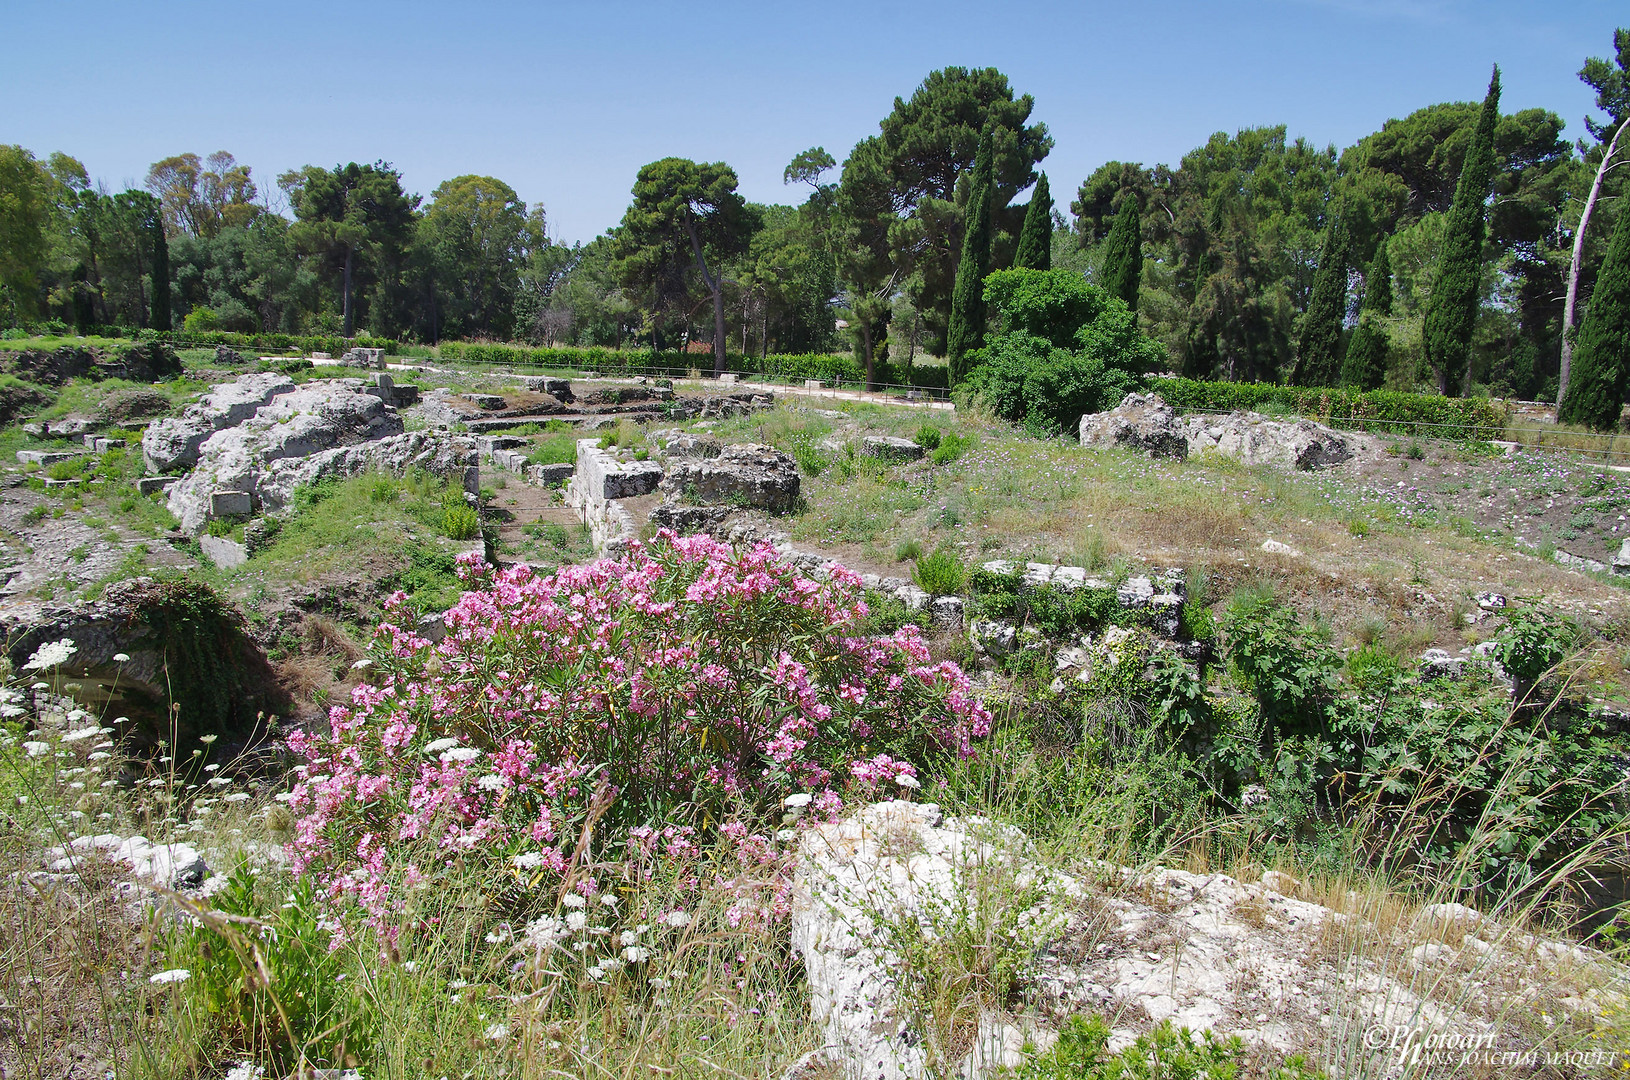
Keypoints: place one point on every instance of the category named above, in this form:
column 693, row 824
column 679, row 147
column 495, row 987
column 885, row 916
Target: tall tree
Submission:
column 161, row 277
column 1601, row 363
column 966, row 330
column 1319, row 346
column 25, row 205
column 862, row 214
column 1612, row 86
column 1452, row 309
column 356, row 218
column 1123, row 252
column 477, row 228
column 1036, row 238
column 1365, row 365
column 929, row 144
column 683, row 212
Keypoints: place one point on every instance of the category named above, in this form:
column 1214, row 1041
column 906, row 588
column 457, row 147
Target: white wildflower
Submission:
column 237, row 796
column 35, row 748
column 50, row 655
column 207, row 739
column 572, row 900
column 906, row 780
column 530, row 861
column 82, row 733
column 460, row 753
column 798, row 801
column 439, row 745
column 362, row 664
column 245, row 1071
column 410, row 966
column 497, row 1032
column 457, row 984
column 121, row 658
column 636, row 954
column 576, row 920
column 677, row 919
column 490, row 782
column 498, row 936
column 545, row 932
column 174, row 975
column 608, row 899
column 628, row 938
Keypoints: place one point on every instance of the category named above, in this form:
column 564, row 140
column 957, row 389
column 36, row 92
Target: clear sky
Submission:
column 566, row 101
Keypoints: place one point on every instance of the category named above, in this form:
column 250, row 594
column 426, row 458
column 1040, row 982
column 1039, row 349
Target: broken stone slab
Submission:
column 557, row 473
column 1135, row 592
column 1276, row 547
column 744, row 475
column 1441, row 664
column 432, row 627
column 231, row 504
column 489, row 402
column 912, row 597
column 146, row 485
column 42, row 458
column 488, row 443
column 1579, row 562
column 602, row 476
column 102, row 444
column 946, row 611
column 560, row 389
column 1253, row 439
column 1140, row 422
column 1621, row 561
column 890, row 448
column 223, row 552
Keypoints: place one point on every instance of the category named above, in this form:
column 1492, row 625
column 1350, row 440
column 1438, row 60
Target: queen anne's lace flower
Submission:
column 51, row 654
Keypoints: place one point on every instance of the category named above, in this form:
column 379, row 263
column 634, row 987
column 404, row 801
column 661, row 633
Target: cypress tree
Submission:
column 1036, row 238
column 1451, row 310
column 1365, row 367
column 1123, row 252
column 966, row 331
column 161, row 277
column 1318, row 349
column 1601, row 355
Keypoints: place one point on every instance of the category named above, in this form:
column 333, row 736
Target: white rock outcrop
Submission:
column 1206, row 951
column 174, row 442
column 1145, row 422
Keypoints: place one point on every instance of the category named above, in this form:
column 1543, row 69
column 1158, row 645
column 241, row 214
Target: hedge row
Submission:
column 332, row 344
column 1372, row 410
column 838, row 370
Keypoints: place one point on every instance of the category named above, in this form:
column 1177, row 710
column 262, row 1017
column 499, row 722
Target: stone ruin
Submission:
column 1145, row 423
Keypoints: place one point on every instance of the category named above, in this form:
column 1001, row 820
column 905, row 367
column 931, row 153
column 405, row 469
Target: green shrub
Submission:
column 1166, row 1053
column 928, row 437
column 906, row 550
column 951, row 447
column 1372, row 410
column 460, row 522
column 284, row 991
column 940, row 574
column 1290, row 667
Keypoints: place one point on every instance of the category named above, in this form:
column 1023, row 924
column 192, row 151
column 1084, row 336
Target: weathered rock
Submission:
column 1578, row 562
column 556, row 473
column 224, row 553
column 438, row 453
column 1253, row 439
column 363, row 358
column 889, row 448
column 43, row 458
column 947, row 611
column 174, row 443
column 490, row 402
column 171, row 865
column 231, row 504
column 146, row 485
column 297, row 424
column 559, row 389
column 1138, row 946
column 227, row 355
column 1279, row 547
column 1440, row 664
column 134, row 405
column 989, row 635
column 1621, row 561
column 1140, row 422
column 743, row 475
column 1490, row 601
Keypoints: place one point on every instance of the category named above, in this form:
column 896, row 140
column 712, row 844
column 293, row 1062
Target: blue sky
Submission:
column 565, row 101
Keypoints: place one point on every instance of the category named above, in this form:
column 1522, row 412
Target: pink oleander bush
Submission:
column 612, row 713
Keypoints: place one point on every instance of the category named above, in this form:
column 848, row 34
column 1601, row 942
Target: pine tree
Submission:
column 161, row 277
column 966, row 331
column 1123, row 252
column 1451, row 310
column 1365, row 367
column 1319, row 348
column 1036, row 238
column 1601, row 355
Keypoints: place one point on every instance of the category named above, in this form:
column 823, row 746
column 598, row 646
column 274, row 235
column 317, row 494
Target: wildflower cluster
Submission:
column 686, row 681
